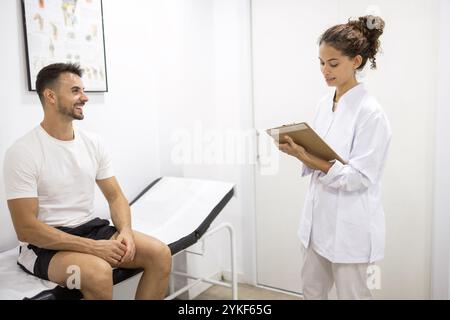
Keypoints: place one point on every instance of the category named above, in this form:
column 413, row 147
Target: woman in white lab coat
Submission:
column 342, row 227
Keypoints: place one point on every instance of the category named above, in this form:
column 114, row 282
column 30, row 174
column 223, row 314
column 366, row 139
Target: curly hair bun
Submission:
column 372, row 28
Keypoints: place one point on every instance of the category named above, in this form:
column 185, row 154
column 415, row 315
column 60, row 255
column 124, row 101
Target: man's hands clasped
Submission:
column 118, row 251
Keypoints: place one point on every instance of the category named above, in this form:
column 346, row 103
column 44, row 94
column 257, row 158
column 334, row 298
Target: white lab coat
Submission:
column 343, row 217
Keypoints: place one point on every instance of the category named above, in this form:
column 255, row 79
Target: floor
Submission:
column 245, row 292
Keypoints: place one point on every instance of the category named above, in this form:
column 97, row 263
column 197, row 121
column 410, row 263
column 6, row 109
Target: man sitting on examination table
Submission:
column 50, row 175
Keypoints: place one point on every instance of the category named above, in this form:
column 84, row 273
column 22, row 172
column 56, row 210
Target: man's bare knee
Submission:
column 162, row 259
column 96, row 280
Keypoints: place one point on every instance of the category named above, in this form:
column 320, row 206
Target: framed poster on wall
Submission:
column 66, row 31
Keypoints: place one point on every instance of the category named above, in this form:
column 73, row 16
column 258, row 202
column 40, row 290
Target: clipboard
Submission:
column 305, row 136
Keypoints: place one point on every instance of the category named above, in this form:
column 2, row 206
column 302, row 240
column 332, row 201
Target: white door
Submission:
column 287, row 86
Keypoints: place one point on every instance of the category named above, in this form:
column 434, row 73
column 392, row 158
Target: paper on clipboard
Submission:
column 302, row 134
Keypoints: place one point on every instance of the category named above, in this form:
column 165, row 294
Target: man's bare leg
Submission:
column 95, row 273
column 155, row 258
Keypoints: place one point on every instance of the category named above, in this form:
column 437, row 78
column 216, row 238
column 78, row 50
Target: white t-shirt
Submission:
column 61, row 174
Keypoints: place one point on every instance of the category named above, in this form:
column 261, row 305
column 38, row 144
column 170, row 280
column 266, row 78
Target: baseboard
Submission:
column 226, row 276
column 203, row 286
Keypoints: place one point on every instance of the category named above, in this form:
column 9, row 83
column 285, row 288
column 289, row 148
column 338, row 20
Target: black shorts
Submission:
column 36, row 260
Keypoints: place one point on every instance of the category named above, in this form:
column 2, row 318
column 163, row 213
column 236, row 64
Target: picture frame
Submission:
column 66, row 31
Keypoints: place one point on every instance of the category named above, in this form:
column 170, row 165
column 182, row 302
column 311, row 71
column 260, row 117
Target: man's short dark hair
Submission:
column 49, row 74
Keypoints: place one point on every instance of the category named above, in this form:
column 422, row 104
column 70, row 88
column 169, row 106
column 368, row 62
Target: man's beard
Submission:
column 70, row 112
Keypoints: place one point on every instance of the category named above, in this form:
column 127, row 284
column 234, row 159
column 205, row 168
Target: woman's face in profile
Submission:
column 336, row 68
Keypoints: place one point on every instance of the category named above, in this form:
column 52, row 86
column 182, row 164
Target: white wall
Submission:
column 216, row 100
column 440, row 271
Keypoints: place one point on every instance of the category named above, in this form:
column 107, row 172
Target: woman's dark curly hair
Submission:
column 357, row 37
